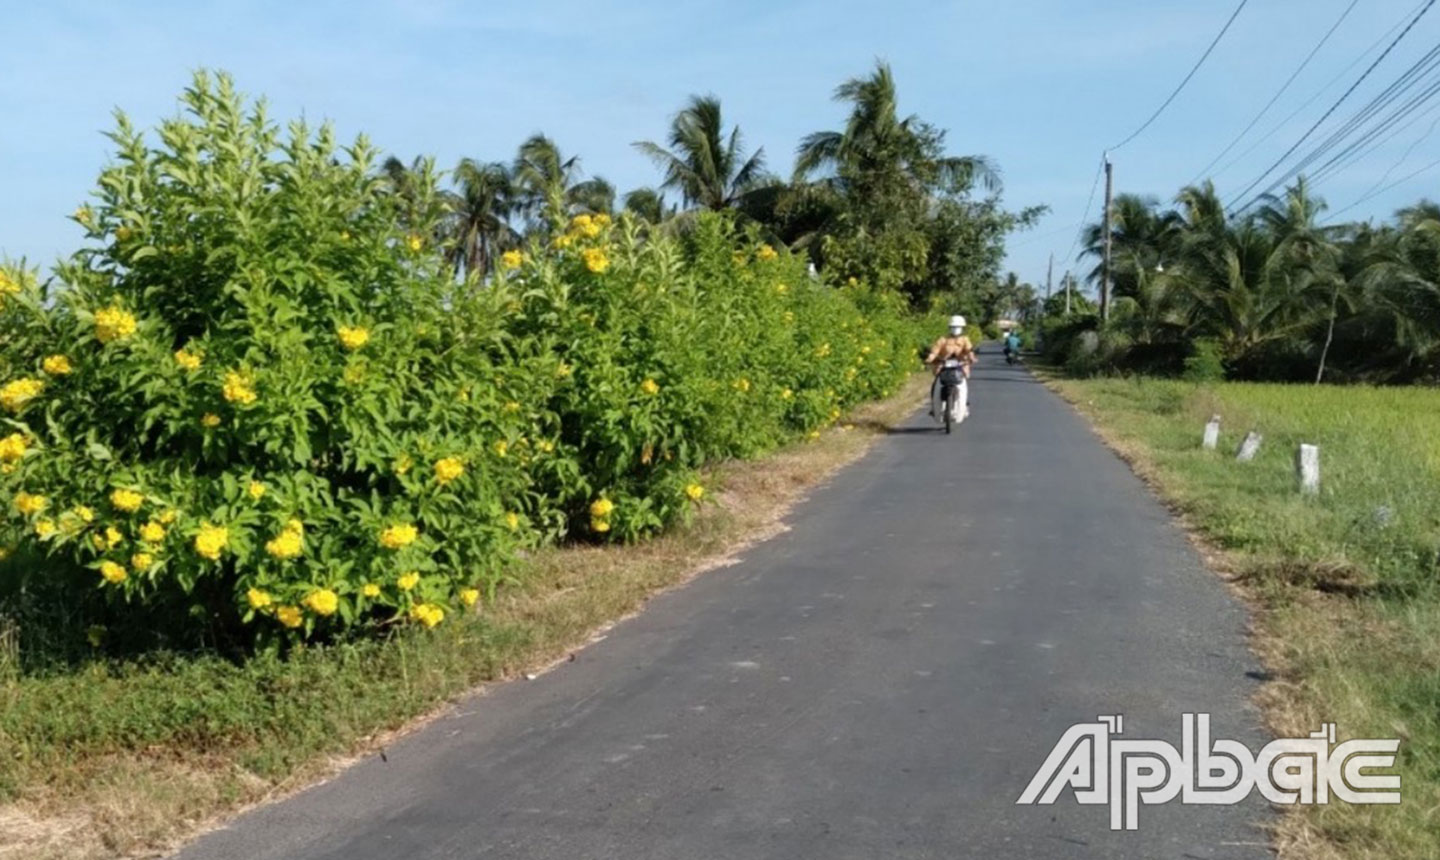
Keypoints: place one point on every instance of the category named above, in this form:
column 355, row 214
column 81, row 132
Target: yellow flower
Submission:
column 113, row 323
column 469, row 596
column 814, row 434
column 415, row 242
column 512, row 406
column 742, row 384
column 238, row 388
column 353, row 338
column 601, row 508
column 188, row 360
column 787, row 394
column 822, row 350
column 766, row 253
column 563, row 370
column 258, row 599
column 408, row 581
column 123, row 233
column 512, row 520
column 44, row 528
column 511, row 260
column 112, row 537
column 211, row 540
column 28, row 504
column 113, row 573
column 789, row 316
column 97, row 541
column 210, row 419
column 502, row 447
column 8, row 287
column 83, row 215
column 650, row 386
column 344, row 235
column 599, row 526
column 370, row 589
column 15, row 394
column 695, row 492
column 463, row 395
column 85, row 514
column 141, row 561
column 448, row 469
column 602, row 220
column 167, row 517
column 403, row 464
column 584, row 224
column 562, row 241
column 56, row 365
column 834, row 413
column 428, row 614
column 290, row 543
column 595, row 260
column 12, row 447
column 547, row 446
column 128, row 501
column 398, row 536
column 289, row 616
column 782, row 288
column 256, row 490
column 322, row 601
column 294, row 525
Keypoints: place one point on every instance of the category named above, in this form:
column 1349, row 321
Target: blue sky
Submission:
column 1042, row 86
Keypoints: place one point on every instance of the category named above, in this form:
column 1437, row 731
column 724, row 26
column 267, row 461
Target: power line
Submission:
column 1333, row 108
column 1070, row 254
column 1405, row 156
column 1198, row 64
column 1402, row 180
column 1377, row 136
column 1280, row 92
column 1397, row 88
column 1318, row 93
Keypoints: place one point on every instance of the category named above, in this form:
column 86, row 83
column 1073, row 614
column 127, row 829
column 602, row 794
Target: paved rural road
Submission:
column 881, row 681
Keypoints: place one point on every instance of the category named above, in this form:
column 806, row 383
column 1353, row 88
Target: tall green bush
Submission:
column 260, row 403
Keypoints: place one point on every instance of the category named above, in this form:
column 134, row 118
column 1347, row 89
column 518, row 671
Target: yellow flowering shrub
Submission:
column 302, row 422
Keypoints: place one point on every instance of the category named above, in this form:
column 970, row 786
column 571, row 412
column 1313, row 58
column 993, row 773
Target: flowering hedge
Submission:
column 260, row 392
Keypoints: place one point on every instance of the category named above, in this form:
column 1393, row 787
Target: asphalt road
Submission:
column 881, row 681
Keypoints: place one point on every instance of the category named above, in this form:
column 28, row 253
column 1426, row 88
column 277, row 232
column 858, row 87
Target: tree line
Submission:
column 1268, row 293
column 878, row 200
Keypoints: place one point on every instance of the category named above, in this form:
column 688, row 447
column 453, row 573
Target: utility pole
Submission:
column 1069, row 279
column 1049, row 270
column 1105, row 265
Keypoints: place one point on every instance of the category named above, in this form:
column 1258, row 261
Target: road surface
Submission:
column 881, row 681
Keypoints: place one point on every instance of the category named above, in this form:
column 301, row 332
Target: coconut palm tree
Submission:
column 707, row 166
column 480, row 209
column 876, row 143
column 648, row 204
column 549, row 187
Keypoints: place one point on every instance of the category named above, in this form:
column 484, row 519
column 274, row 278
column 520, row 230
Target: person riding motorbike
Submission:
column 1012, row 346
column 954, row 349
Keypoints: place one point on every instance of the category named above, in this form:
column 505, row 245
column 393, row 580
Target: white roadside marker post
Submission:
column 1307, row 469
column 1212, row 433
column 1250, row 447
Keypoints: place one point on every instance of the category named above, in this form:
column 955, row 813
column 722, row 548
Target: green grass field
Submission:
column 1346, row 584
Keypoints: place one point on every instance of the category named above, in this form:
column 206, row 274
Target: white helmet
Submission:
column 957, row 324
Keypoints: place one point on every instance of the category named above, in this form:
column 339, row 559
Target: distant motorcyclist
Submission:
column 1012, row 345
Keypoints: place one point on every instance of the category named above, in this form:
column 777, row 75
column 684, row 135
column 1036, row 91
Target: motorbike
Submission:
column 950, row 395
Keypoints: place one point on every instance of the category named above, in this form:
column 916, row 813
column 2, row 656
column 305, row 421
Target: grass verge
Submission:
column 1344, row 585
column 121, row 760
